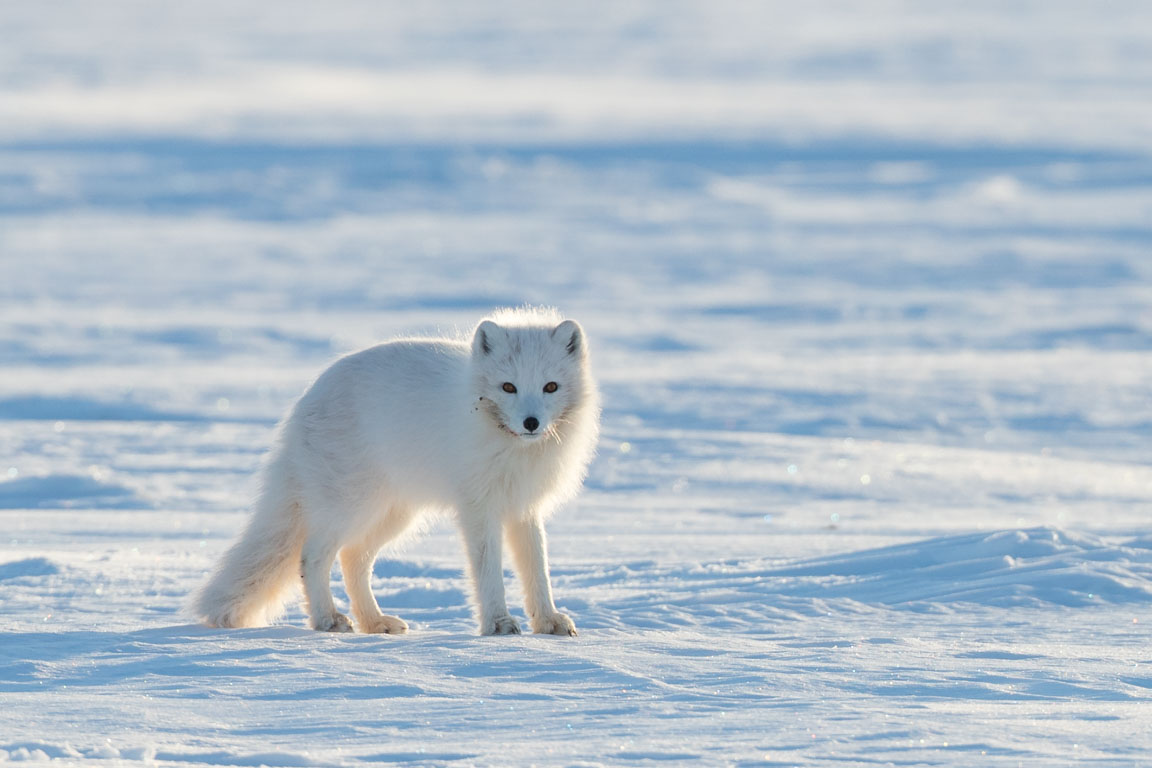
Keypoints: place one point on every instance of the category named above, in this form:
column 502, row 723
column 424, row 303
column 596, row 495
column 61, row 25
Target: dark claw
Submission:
column 506, row 626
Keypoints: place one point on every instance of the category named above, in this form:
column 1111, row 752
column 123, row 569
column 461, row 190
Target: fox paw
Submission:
column 501, row 625
column 337, row 622
column 384, row 625
column 553, row 624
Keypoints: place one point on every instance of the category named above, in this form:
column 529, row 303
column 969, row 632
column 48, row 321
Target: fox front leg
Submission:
column 482, row 538
column 530, row 550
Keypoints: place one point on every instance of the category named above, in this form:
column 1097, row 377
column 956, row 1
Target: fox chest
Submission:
column 513, row 484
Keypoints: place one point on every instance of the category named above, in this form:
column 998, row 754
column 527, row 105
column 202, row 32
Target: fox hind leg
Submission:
column 356, row 559
column 316, row 568
column 356, row 562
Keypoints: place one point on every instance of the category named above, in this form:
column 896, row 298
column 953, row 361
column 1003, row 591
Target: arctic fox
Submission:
column 500, row 431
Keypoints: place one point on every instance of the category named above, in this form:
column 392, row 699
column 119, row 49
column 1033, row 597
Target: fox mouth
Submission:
column 525, row 435
column 529, row 436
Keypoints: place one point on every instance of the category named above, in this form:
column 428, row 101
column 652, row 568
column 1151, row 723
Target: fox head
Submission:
column 530, row 374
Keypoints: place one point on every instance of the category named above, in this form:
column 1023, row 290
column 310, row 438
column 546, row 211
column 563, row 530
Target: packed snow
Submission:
column 868, row 290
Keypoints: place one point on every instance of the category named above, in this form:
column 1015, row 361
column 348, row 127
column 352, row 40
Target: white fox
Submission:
column 500, row 431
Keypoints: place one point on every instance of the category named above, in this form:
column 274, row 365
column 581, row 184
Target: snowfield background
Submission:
column 869, row 293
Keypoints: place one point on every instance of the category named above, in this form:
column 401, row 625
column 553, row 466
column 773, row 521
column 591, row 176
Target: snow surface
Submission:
column 869, row 288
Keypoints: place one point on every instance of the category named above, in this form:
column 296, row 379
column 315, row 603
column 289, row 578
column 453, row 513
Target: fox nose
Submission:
column 531, row 423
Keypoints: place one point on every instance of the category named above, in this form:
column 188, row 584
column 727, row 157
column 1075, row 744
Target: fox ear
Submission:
column 487, row 336
column 571, row 335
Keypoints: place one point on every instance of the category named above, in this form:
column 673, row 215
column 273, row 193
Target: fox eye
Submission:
column 509, row 387
column 551, row 387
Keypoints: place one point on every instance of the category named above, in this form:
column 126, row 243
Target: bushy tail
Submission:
column 249, row 584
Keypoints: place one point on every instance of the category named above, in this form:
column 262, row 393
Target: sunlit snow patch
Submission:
column 1038, row 567
column 1004, row 568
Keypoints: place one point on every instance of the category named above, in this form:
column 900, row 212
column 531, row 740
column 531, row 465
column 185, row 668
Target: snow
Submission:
column 868, row 291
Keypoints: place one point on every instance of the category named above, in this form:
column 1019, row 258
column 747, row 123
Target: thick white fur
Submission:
column 407, row 428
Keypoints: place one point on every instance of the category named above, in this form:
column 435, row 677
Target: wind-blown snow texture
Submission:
column 870, row 297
